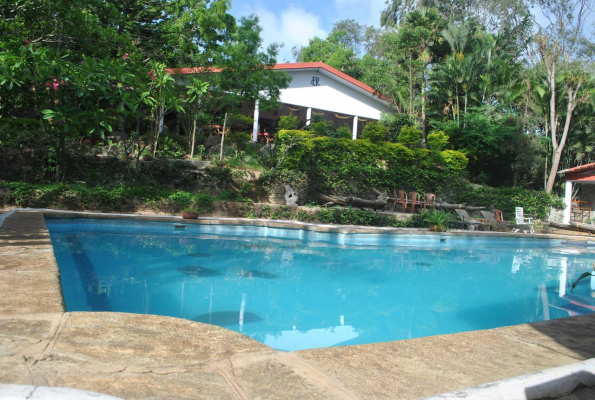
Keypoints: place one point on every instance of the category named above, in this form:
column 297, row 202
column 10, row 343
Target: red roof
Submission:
column 582, row 174
column 284, row 67
column 581, row 168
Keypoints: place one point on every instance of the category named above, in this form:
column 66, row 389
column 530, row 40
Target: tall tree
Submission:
column 558, row 46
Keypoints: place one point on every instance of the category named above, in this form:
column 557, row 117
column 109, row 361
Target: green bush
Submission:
column 395, row 122
column 536, row 203
column 455, row 160
column 321, row 128
column 287, row 122
column 171, row 145
column 437, row 140
column 357, row 217
column 101, row 198
column 297, row 139
column 343, row 132
column 240, row 140
column 409, row 136
column 374, row 132
column 20, row 132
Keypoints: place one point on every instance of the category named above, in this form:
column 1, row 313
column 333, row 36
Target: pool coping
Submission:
column 322, row 369
column 291, row 224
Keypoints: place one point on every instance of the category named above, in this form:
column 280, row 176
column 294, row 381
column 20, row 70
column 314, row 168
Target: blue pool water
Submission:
column 296, row 289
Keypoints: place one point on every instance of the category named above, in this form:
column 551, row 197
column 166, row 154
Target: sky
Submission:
column 295, row 22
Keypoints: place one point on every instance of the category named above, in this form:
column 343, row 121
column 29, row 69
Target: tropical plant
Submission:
column 438, row 218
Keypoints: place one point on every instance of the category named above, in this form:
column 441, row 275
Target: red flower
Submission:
column 125, row 56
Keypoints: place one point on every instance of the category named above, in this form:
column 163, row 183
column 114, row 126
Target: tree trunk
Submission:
column 423, row 110
column 158, row 127
column 410, row 86
column 193, row 137
column 572, row 93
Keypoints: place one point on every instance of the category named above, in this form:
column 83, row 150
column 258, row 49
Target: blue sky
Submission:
column 295, row 22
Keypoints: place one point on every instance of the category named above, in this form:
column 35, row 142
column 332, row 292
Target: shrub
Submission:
column 240, row 140
column 409, row 136
column 297, row 140
column 343, row 132
column 81, row 197
column 374, row 132
column 455, row 160
column 356, row 217
column 287, row 122
column 321, row 128
column 437, row 140
column 19, row 132
column 395, row 122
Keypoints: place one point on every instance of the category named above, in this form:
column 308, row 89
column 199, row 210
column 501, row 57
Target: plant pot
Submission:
column 189, row 215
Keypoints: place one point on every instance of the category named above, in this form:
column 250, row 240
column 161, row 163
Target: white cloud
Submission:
column 292, row 26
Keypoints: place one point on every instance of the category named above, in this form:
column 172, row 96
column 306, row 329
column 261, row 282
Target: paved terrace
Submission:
column 143, row 356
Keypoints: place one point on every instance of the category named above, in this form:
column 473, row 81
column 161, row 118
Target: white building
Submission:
column 317, row 88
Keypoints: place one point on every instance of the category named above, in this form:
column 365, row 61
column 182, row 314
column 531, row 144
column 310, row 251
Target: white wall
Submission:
column 331, row 95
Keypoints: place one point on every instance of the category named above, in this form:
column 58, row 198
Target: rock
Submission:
column 291, row 197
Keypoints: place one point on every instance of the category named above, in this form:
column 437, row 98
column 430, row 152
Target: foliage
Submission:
column 357, row 217
column 395, row 122
column 409, row 136
column 332, row 51
column 297, row 140
column 240, row 140
column 455, row 160
column 82, row 197
column 537, row 203
column 343, row 132
column 497, row 148
column 321, row 128
column 437, row 140
column 374, row 132
column 340, row 166
column 438, row 218
column 21, row 132
column 287, row 122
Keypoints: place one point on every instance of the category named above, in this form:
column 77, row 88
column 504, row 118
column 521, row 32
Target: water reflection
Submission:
column 293, row 296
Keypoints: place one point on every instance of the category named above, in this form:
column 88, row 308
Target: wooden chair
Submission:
column 414, row 200
column 429, row 201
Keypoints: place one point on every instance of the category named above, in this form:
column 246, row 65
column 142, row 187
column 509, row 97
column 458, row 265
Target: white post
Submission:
column 568, row 202
column 256, row 116
column 308, row 116
column 354, row 128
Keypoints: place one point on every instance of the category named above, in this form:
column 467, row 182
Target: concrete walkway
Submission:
column 151, row 357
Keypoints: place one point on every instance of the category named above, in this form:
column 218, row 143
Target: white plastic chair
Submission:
column 520, row 219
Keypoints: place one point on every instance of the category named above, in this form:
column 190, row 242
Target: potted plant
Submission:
column 437, row 220
column 190, row 213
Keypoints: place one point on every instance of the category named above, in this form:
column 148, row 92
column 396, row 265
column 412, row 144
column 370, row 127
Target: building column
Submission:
column 354, row 128
column 256, row 117
column 568, row 202
column 308, row 116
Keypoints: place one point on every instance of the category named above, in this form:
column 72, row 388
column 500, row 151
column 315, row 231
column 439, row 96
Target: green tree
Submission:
column 559, row 47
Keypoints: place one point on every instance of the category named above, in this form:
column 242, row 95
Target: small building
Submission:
column 318, row 89
column 579, row 209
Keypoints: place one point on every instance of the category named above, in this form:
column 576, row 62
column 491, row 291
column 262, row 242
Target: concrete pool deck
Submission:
column 144, row 356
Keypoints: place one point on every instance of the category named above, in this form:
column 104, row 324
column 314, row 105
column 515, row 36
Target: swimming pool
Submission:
column 297, row 289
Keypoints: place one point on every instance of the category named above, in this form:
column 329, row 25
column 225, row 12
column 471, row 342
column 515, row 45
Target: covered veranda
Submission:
column 579, row 205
